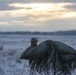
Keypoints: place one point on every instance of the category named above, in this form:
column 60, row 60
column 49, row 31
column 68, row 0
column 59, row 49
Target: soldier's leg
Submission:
column 47, row 69
column 32, row 71
column 32, row 68
column 66, row 69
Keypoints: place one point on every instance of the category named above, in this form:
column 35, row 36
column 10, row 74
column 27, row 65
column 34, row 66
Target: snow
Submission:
column 14, row 45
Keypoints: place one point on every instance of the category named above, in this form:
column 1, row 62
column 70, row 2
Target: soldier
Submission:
column 31, row 61
column 36, row 64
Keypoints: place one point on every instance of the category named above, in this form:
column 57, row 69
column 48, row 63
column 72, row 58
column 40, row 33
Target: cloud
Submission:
column 19, row 15
column 4, row 4
column 3, row 23
column 58, row 1
column 35, row 13
column 23, row 1
column 60, row 24
column 52, row 25
column 71, row 7
column 42, row 11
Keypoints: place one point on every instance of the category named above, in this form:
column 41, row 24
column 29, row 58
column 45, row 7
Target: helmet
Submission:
column 34, row 39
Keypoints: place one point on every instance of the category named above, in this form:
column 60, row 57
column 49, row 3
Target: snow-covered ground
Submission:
column 14, row 45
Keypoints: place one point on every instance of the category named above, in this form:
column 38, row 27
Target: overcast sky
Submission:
column 37, row 15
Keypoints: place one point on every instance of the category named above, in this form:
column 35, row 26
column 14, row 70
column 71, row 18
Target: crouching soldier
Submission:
column 37, row 64
column 31, row 61
column 37, row 61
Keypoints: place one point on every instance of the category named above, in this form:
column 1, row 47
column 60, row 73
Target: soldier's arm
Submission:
column 24, row 53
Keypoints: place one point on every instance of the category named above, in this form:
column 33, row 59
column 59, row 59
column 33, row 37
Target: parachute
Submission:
column 57, row 53
column 42, row 49
column 37, row 52
column 63, row 48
